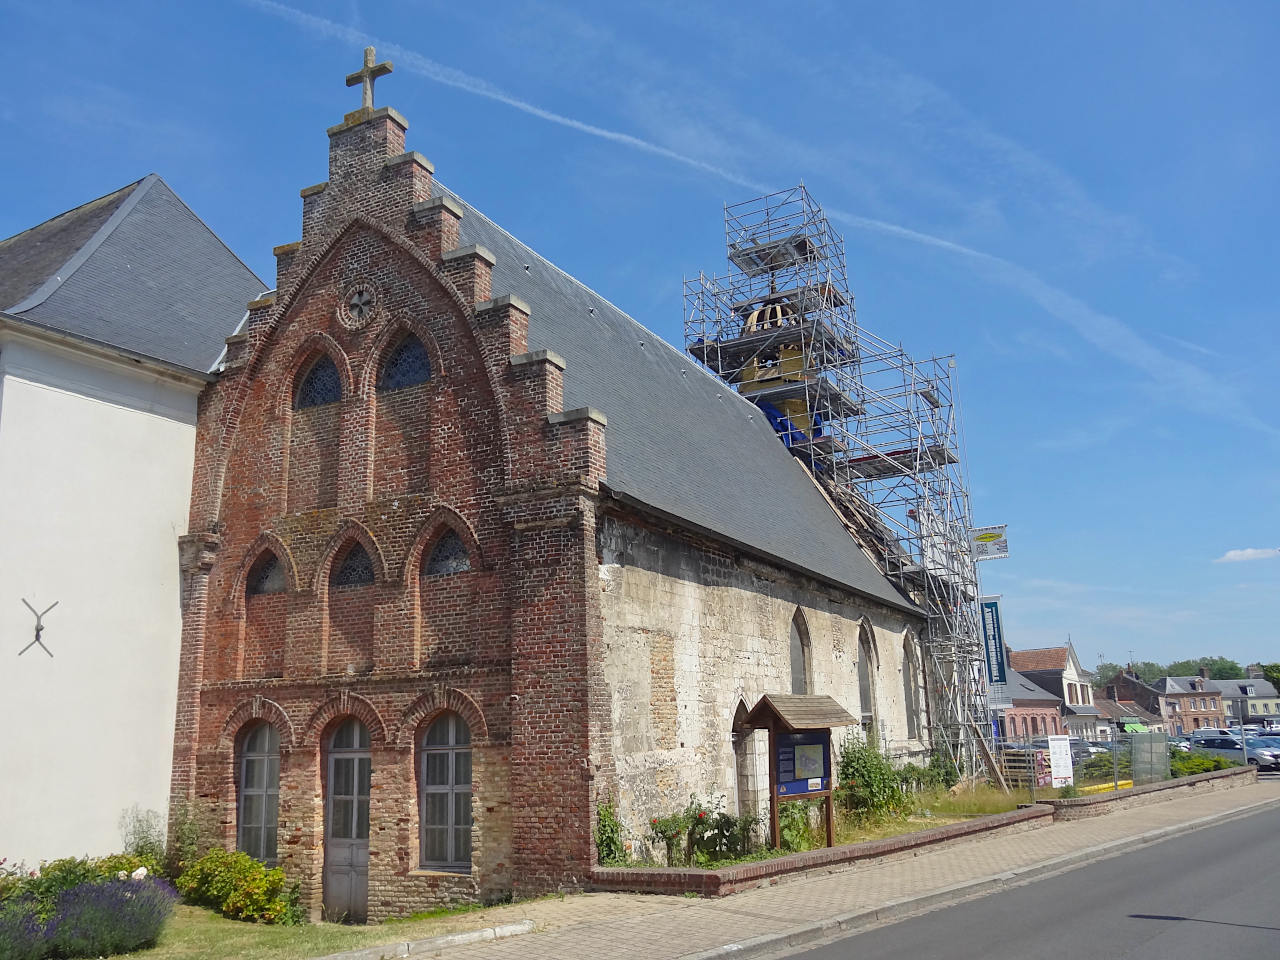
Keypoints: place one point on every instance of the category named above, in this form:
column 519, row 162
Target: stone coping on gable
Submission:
column 743, row 876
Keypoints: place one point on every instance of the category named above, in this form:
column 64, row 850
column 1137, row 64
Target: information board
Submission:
column 804, row 762
column 1060, row 761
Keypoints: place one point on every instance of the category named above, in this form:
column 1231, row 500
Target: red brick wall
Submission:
column 264, row 636
column 505, row 645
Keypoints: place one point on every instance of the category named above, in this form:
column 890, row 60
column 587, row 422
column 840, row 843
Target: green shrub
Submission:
column 113, row 865
column 794, row 831
column 119, row 916
column 54, row 877
column 10, row 879
column 670, row 831
column 943, row 770
column 1182, row 764
column 21, row 931
column 185, row 848
column 869, row 785
column 241, row 888
column 143, row 834
column 610, row 851
column 714, row 835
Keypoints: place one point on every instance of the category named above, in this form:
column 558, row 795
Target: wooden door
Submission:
column 346, row 824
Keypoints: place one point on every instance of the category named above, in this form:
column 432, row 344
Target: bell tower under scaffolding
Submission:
column 879, row 431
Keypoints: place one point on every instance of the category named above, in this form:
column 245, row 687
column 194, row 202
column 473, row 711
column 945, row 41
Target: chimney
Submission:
column 1204, row 673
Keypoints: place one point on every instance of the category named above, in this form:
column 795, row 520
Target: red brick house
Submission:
column 458, row 571
column 1034, row 712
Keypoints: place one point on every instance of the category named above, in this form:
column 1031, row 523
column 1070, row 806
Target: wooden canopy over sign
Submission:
column 800, row 760
column 798, row 711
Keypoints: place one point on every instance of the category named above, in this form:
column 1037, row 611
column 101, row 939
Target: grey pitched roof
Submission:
column 1232, row 688
column 678, row 440
column 1181, row 685
column 1018, row 687
column 136, row 269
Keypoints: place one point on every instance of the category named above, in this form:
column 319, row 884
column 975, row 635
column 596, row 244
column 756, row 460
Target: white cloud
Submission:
column 1249, row 553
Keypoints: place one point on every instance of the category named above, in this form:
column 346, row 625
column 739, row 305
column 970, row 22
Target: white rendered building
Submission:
column 110, row 317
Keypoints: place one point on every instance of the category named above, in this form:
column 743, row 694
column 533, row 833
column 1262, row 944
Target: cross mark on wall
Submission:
column 39, row 615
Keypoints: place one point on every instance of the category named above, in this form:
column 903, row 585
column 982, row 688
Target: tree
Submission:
column 1271, row 671
column 1220, row 668
column 1149, row 670
column 1105, row 671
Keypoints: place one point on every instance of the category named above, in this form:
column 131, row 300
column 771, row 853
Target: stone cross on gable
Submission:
column 366, row 75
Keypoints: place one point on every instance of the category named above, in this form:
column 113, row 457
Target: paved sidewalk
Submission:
column 648, row 927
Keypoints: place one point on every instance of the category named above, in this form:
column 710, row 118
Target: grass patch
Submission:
column 194, row 933
column 982, row 800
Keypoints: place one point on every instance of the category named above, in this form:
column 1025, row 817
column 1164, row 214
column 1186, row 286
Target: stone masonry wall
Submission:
column 692, row 631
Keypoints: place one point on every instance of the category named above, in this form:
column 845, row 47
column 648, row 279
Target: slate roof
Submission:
column 678, row 440
column 1182, row 685
column 136, row 269
column 1232, row 688
column 1018, row 687
column 1042, row 658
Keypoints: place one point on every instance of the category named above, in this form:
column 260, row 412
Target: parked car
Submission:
column 1263, row 756
column 1179, row 743
column 1213, row 732
column 1080, row 751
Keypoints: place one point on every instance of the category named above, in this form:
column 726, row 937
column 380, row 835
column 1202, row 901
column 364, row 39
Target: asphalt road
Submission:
column 1211, row 893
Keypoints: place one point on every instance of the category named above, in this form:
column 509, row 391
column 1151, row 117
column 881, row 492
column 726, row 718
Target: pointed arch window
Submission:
column 449, row 555
column 801, row 670
column 265, row 576
column 354, row 570
column 321, row 384
column 444, row 791
column 867, row 685
column 259, row 799
column 406, row 365
column 911, row 698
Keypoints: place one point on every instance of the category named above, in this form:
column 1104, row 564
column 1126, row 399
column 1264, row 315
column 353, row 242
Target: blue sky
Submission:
column 1078, row 202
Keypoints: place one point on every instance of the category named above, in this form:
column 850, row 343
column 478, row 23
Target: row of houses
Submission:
column 1187, row 704
column 1048, row 692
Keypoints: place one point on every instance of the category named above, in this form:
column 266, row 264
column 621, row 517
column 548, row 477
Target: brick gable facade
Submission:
column 472, row 451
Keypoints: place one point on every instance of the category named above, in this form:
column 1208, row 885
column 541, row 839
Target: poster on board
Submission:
column 1060, row 761
column 989, row 543
column 804, row 762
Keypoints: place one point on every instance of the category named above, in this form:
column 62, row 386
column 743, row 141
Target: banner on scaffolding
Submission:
column 993, row 640
column 989, row 543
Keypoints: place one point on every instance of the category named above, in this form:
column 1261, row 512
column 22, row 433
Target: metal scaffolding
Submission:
column 879, row 431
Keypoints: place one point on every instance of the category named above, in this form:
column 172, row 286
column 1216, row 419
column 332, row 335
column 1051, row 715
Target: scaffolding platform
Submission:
column 731, row 353
column 899, row 463
column 770, row 256
column 878, row 430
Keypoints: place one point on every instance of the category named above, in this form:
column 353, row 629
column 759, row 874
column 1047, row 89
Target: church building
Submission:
column 455, row 573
